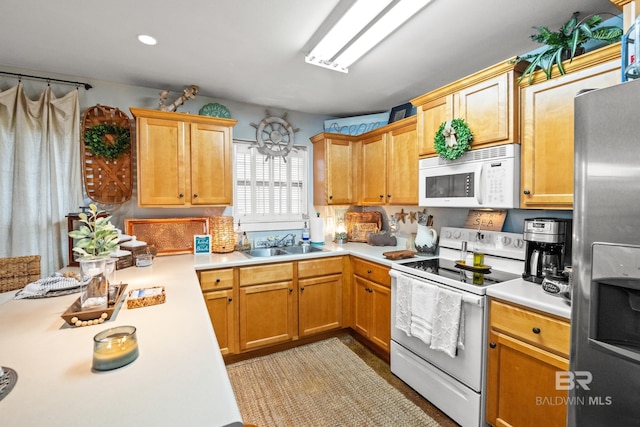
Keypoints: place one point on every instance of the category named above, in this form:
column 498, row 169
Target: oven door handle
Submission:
column 467, row 298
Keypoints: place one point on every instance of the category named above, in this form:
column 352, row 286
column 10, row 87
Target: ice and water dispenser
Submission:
column 615, row 300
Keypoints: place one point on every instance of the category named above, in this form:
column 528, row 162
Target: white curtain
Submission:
column 40, row 174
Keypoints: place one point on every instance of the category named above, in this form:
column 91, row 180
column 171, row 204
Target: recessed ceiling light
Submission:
column 146, row 39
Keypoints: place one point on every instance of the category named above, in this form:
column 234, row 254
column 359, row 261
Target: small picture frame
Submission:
column 401, row 112
column 202, row 244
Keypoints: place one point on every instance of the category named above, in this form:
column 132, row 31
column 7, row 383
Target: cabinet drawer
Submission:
column 536, row 328
column 374, row 272
column 216, row 279
column 319, row 267
column 259, row 274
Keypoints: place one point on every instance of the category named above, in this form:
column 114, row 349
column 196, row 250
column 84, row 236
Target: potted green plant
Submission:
column 97, row 238
column 565, row 43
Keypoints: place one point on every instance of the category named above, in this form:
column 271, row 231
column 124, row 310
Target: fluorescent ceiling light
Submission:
column 146, row 39
column 360, row 16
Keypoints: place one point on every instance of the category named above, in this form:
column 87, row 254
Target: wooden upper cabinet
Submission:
column 333, row 169
column 183, row 160
column 373, row 185
column 548, row 126
column 402, row 164
column 486, row 100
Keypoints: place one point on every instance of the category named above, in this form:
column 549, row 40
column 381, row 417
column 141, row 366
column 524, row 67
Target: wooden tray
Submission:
column 483, row 269
column 75, row 311
column 401, row 254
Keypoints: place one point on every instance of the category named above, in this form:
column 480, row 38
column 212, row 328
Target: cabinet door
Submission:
column 211, row 174
column 373, row 184
column 402, row 170
column 266, row 315
column 521, row 384
column 380, row 326
column 220, row 305
column 430, row 117
column 547, row 136
column 485, row 108
column 320, row 304
column 162, row 162
column 361, row 305
column 339, row 169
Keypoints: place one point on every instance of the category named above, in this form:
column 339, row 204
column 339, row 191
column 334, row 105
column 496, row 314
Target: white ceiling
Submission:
column 253, row 51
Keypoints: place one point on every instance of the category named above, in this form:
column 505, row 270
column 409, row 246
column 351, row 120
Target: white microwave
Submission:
column 483, row 178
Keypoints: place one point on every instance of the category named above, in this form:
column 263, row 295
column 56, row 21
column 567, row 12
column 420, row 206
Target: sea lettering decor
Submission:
column 356, row 125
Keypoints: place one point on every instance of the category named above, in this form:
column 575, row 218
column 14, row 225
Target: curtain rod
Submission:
column 87, row 86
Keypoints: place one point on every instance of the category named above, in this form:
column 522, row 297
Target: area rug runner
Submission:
column 320, row 384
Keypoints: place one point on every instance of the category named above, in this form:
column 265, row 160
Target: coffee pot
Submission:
column 548, row 249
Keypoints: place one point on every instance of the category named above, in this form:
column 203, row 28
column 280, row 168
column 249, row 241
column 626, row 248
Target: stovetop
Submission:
column 504, row 254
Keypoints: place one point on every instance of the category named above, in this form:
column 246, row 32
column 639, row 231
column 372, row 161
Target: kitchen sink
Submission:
column 287, row 250
column 302, row 249
column 266, row 252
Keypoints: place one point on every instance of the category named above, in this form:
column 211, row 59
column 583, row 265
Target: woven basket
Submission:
column 223, row 238
column 17, row 272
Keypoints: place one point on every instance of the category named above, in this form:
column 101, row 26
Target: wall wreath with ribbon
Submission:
column 453, row 139
column 107, row 155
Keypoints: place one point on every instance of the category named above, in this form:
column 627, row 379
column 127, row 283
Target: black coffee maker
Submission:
column 548, row 249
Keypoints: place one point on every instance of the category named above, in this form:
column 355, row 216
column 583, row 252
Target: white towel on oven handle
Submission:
column 423, row 297
column 448, row 322
column 403, row 304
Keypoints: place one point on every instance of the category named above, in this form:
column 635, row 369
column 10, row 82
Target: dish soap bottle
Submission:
column 305, row 235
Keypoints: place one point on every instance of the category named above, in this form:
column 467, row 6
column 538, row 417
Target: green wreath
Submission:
column 463, row 136
column 94, row 140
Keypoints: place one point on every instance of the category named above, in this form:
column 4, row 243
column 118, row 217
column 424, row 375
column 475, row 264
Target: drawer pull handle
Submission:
column 536, row 330
column 492, row 345
column 368, row 271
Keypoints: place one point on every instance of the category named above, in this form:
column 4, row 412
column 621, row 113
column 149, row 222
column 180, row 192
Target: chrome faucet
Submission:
column 282, row 241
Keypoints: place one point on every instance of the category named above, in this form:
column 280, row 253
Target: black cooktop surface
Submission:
column 447, row 268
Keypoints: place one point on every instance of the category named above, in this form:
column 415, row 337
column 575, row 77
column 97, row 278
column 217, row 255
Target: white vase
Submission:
column 426, row 240
column 94, row 288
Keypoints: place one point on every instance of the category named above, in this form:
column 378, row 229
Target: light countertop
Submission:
column 520, row 291
column 178, row 379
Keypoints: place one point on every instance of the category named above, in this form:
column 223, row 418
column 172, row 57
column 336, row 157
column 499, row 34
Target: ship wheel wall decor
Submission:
column 274, row 136
column 107, row 181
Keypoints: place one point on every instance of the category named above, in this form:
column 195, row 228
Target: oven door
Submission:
column 468, row 365
column 455, row 185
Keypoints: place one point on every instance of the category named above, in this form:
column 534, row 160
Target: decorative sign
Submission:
column 202, row 244
column 485, row 220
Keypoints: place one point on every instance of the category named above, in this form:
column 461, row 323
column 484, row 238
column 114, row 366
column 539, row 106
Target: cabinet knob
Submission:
column 388, row 196
column 527, row 192
column 382, row 196
column 368, row 271
column 290, row 290
column 536, row 330
column 181, row 195
column 330, row 197
column 302, row 289
column 492, row 345
column 195, row 195
column 217, row 280
column 229, row 299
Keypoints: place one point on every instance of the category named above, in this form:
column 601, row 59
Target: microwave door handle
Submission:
column 479, row 183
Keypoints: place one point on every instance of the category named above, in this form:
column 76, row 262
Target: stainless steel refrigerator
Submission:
column 604, row 376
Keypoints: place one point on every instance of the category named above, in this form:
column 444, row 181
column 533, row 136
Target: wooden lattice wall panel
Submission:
column 107, row 181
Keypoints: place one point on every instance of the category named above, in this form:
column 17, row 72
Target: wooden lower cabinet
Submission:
column 526, row 349
column 217, row 289
column 372, row 302
column 320, row 287
column 267, row 302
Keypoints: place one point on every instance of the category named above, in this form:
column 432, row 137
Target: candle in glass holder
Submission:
column 114, row 348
